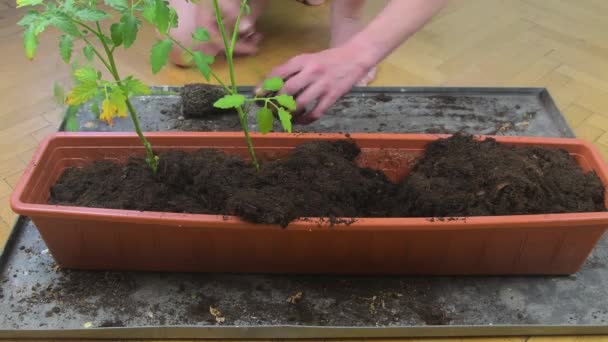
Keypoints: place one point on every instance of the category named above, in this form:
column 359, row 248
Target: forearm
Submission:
column 398, row 21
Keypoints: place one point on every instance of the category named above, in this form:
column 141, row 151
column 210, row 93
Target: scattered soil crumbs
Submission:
column 456, row 177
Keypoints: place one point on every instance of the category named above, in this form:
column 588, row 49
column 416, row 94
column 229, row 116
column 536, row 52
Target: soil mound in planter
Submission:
column 461, row 176
column 317, row 179
column 458, row 176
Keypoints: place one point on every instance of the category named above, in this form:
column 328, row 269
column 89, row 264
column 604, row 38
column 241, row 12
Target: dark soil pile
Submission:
column 458, row 176
column 461, row 176
column 198, row 99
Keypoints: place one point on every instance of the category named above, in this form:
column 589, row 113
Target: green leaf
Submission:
column 22, row 3
column 130, row 25
column 95, row 108
column 66, row 44
column 64, row 24
column 202, row 62
column 160, row 54
column 286, row 101
column 58, row 93
column 119, row 5
column 88, row 53
column 30, row 42
column 265, row 119
column 71, row 121
column 149, row 12
column 86, row 75
column 285, row 119
column 247, row 9
column 29, row 18
column 172, row 18
column 81, row 93
column 273, row 84
column 116, row 33
column 201, row 34
column 230, row 101
column 88, row 14
column 161, row 16
column 135, row 87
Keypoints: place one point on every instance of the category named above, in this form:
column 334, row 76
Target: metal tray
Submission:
column 39, row 300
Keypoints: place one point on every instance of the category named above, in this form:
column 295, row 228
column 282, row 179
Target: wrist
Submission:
column 362, row 53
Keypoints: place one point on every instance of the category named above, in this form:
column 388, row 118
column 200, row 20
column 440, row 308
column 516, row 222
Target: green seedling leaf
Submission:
column 149, row 12
column 88, row 14
column 58, row 93
column 160, row 54
column 161, row 16
column 30, row 42
column 130, row 25
column 135, row 87
column 82, row 93
column 116, row 33
column 201, row 35
column 202, row 62
column 172, row 17
column 28, row 18
column 286, row 101
column 23, row 3
column 88, row 53
column 265, row 119
column 230, row 101
column 285, row 119
column 119, row 5
column 71, row 121
column 86, row 75
column 66, row 44
column 64, row 24
column 114, row 105
column 273, row 84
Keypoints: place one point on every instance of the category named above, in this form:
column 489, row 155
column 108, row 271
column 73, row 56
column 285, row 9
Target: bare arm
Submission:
column 327, row 75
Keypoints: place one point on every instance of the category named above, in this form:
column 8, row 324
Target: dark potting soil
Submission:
column 198, row 99
column 458, row 176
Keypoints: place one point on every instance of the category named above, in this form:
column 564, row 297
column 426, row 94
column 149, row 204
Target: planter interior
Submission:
column 95, row 238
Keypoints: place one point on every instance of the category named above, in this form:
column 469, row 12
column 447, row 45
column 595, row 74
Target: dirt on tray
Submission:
column 198, row 99
column 456, row 177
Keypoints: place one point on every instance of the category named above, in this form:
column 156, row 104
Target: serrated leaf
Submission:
column 273, row 84
column 40, row 25
column 64, row 24
column 71, row 121
column 130, row 25
column 88, row 53
column 30, row 42
column 28, row 18
column 22, row 3
column 82, row 93
column 88, row 14
column 161, row 16
column 286, row 101
column 160, row 54
column 201, row 35
column 66, row 44
column 265, row 119
column 285, row 119
column 119, row 5
column 136, row 87
column 86, row 74
column 116, row 34
column 113, row 105
column 172, row 18
column 202, row 63
column 149, row 12
column 230, row 101
column 58, row 93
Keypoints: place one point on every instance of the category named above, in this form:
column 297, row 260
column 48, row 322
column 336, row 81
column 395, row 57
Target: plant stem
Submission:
column 214, row 75
column 229, row 57
column 150, row 157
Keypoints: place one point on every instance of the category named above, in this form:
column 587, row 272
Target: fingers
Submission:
column 286, row 70
column 367, row 78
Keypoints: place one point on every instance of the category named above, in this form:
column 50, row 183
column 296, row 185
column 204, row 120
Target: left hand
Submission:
column 323, row 77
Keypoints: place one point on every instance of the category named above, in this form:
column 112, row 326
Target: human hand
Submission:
column 202, row 14
column 322, row 77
